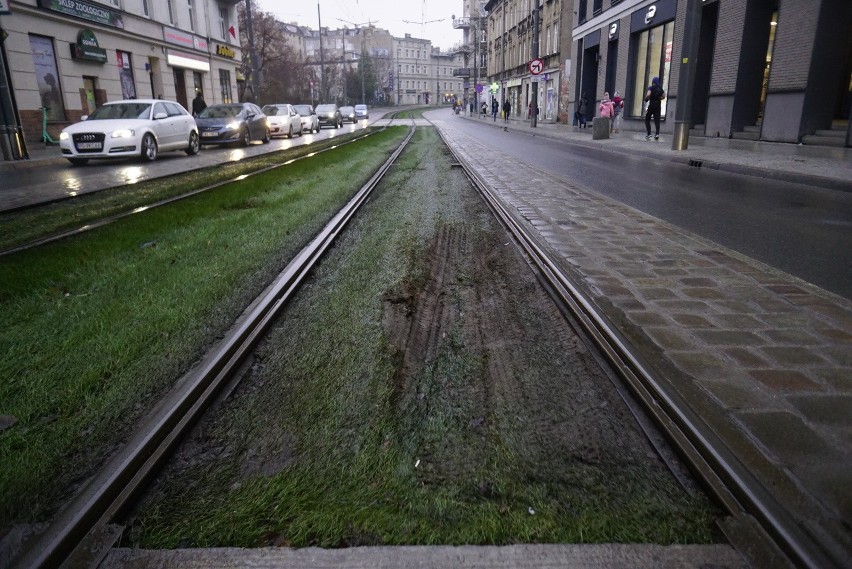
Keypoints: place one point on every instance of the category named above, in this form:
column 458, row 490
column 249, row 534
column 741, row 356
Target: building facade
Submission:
column 70, row 57
column 772, row 70
column 512, row 45
column 424, row 75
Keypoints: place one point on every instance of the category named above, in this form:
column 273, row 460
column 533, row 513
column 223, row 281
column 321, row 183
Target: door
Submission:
column 89, row 86
column 180, row 88
column 164, row 128
column 704, row 67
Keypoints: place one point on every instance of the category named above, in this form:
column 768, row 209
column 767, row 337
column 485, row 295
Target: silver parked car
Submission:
column 283, row 120
column 135, row 127
column 310, row 122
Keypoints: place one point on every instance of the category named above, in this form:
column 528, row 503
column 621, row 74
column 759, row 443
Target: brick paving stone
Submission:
column 646, row 318
column 670, row 306
column 699, row 282
column 835, row 334
column 841, row 355
column 737, row 321
column 785, row 381
column 737, row 396
column 655, row 293
column 729, row 338
column 700, row 364
column 791, row 356
column 703, row 293
column 746, row 358
column 792, row 337
column 835, row 378
column 667, row 338
column 693, row 321
column 826, row 409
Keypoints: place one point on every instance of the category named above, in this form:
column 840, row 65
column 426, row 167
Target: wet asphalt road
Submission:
column 802, row 230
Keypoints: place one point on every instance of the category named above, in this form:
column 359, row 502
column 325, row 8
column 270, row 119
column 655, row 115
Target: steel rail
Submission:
column 729, row 481
column 112, row 489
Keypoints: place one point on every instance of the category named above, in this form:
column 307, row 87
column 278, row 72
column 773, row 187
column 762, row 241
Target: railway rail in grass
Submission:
column 117, row 483
column 111, row 491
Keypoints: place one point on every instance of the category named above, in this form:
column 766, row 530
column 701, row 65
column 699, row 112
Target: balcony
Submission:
column 462, row 23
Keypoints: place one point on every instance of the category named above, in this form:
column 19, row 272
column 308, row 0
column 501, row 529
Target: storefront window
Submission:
column 653, row 49
column 225, row 85
column 47, row 77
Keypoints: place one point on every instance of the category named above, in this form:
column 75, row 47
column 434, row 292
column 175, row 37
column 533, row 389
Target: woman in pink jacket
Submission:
column 607, row 109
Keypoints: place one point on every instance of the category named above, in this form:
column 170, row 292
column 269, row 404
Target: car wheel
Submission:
column 78, row 161
column 244, row 137
column 290, row 131
column 194, row 144
column 149, row 148
column 266, row 137
column 316, row 128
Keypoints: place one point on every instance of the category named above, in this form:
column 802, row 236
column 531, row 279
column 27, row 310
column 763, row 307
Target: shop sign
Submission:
column 4, row 8
column 85, row 10
column 87, row 47
column 187, row 60
column 656, row 14
column 613, row 30
column 184, row 39
column 225, row 51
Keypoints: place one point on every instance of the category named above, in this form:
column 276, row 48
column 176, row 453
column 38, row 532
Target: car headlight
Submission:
column 123, row 133
column 233, row 126
column 63, row 135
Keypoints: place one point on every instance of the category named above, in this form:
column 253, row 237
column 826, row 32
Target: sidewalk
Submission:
column 819, row 166
column 763, row 358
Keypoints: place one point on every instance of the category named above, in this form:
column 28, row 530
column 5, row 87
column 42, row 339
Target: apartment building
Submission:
column 425, row 75
column 71, row 57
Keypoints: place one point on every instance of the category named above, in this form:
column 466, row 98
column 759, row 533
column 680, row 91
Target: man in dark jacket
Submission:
column 198, row 104
column 654, row 96
column 507, row 107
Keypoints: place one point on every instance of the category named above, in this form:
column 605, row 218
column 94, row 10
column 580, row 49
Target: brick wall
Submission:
column 794, row 42
column 726, row 57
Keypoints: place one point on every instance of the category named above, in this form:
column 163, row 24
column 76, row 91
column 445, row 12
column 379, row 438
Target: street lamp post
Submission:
column 535, row 54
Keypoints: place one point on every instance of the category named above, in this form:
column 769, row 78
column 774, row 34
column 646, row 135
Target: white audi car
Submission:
column 135, row 127
column 283, row 120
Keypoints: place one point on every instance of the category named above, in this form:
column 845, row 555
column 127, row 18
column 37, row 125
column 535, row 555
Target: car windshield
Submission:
column 347, row 110
column 360, row 107
column 325, row 109
column 275, row 111
column 122, row 111
column 304, row 110
column 220, row 112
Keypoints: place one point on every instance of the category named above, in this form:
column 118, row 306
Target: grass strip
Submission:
column 327, row 444
column 25, row 225
column 99, row 326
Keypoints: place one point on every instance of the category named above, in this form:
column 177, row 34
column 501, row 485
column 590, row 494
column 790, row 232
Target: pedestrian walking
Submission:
column 606, row 108
column 198, row 104
column 654, row 96
column 618, row 107
column 495, row 108
column 507, row 107
column 582, row 108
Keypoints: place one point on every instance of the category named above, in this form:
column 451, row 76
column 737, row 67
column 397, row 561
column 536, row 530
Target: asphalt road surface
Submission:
column 802, row 230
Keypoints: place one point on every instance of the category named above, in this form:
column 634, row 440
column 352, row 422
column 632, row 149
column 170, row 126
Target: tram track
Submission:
column 754, row 512
column 113, row 488
column 108, row 220
column 107, row 495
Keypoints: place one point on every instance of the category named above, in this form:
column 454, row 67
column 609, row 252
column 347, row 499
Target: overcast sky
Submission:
column 399, row 17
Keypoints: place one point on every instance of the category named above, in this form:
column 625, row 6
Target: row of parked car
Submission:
column 145, row 127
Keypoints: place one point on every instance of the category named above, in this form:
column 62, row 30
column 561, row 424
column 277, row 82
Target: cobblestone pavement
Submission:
column 763, row 357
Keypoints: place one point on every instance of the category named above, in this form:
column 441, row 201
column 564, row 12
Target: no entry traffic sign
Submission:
column 536, row 66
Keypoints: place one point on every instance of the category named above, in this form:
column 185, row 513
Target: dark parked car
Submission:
column 348, row 114
column 232, row 122
column 329, row 115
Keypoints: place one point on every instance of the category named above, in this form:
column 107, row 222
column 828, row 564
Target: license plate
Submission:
column 209, row 134
column 89, row 146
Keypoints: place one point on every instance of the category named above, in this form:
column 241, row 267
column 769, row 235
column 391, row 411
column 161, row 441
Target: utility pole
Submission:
column 535, row 54
column 686, row 80
column 323, row 93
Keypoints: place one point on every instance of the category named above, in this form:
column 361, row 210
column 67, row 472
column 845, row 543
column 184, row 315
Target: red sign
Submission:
column 536, row 66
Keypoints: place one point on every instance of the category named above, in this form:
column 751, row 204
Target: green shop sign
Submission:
column 87, row 48
column 85, row 11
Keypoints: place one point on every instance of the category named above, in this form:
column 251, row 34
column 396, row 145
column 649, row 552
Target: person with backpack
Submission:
column 507, row 107
column 617, row 106
column 654, row 96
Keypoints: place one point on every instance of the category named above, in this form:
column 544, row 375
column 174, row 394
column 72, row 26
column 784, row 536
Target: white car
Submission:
column 310, row 121
column 135, row 127
column 283, row 120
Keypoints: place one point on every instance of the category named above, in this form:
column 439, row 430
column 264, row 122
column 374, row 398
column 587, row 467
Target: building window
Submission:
column 653, row 58
column 223, row 23
column 225, row 85
column 47, row 77
column 581, row 15
column 191, row 16
column 556, row 36
column 547, row 41
column 170, row 6
column 146, row 11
